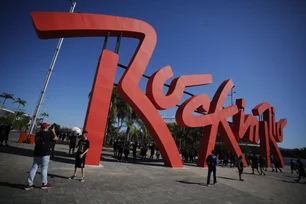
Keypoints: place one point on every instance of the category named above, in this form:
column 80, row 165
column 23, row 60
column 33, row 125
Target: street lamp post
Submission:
column 44, row 88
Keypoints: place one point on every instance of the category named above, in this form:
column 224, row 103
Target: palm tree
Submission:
column 20, row 102
column 44, row 115
column 6, row 96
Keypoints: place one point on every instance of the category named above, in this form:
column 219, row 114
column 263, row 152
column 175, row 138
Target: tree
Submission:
column 6, row 96
column 20, row 102
column 44, row 115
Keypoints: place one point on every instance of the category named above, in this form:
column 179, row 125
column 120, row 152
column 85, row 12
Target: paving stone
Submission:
column 138, row 183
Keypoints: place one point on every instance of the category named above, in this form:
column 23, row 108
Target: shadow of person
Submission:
column 227, row 178
column 286, row 181
column 52, row 175
column 131, row 161
column 12, row 185
column 190, row 182
column 18, row 151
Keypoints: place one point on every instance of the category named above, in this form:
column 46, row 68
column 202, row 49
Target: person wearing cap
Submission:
column 41, row 158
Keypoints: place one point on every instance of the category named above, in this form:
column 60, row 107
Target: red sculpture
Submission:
column 215, row 121
column 62, row 25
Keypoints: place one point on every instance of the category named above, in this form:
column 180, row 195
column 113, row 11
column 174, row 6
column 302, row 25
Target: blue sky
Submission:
column 260, row 45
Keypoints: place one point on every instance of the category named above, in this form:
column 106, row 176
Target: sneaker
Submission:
column 208, row 185
column 82, row 180
column 216, row 183
column 28, row 187
column 72, row 177
column 46, row 186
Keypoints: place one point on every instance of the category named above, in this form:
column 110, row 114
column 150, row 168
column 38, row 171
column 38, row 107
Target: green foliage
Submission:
column 6, row 96
column 297, row 152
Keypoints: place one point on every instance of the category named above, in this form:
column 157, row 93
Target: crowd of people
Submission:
column 46, row 138
column 124, row 147
column 258, row 163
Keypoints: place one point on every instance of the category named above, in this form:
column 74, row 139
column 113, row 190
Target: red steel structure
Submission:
column 50, row 25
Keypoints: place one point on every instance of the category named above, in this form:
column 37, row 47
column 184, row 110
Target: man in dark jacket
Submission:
column 41, row 158
column 4, row 134
column 240, row 167
column 301, row 170
column 212, row 162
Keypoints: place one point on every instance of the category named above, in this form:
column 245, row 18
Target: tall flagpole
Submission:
column 42, row 93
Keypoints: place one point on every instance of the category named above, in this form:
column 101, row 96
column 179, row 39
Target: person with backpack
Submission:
column 41, row 158
column 212, row 162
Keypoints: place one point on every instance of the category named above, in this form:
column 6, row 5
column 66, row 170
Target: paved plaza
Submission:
column 147, row 182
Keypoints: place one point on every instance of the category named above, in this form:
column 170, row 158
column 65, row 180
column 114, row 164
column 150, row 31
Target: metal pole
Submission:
column 42, row 93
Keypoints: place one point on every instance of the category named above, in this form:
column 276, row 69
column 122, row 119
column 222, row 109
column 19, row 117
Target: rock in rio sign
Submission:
column 247, row 127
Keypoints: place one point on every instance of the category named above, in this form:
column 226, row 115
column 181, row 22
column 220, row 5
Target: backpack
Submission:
column 210, row 161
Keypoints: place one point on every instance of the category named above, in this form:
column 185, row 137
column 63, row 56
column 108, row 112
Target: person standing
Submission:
column 115, row 147
column 120, row 150
column 126, row 151
column 262, row 164
column 212, row 167
column 240, row 167
column 277, row 165
column 57, row 132
column 301, row 170
column 41, row 156
column 254, row 164
column 152, row 148
column 135, row 150
column 6, row 129
column 80, row 157
column 72, row 142
column 157, row 154
column 1, row 128
column 293, row 166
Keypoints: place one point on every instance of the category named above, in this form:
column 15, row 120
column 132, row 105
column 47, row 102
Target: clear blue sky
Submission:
column 260, row 44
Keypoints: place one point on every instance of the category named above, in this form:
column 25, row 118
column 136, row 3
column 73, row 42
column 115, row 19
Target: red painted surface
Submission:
column 24, row 136
column 98, row 107
column 56, row 25
column 214, row 121
column 245, row 126
column 270, row 132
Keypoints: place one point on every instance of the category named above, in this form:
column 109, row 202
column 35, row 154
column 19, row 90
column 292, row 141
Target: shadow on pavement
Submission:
column 63, row 160
column 52, row 175
column 30, row 153
column 227, row 178
column 190, row 182
column 286, row 181
column 12, row 185
column 132, row 161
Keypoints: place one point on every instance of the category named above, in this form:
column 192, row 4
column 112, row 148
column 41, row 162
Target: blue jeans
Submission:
column 44, row 162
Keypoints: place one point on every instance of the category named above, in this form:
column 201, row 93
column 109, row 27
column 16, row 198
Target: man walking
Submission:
column 43, row 140
column 212, row 164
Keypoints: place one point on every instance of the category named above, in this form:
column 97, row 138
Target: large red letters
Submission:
column 62, row 25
